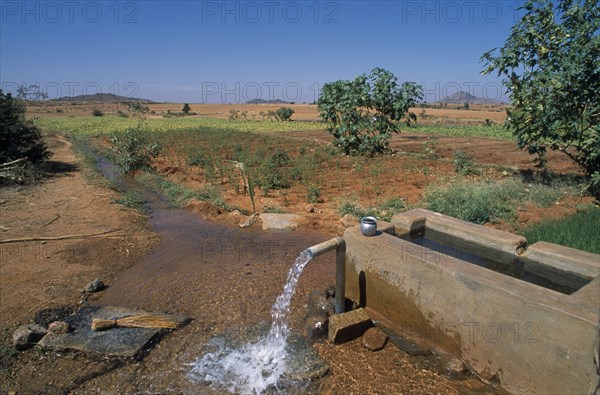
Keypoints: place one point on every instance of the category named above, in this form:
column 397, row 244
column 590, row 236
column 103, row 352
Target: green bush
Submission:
column 19, row 138
column 186, row 108
column 133, row 151
column 97, row 113
column 276, row 172
column 463, row 163
column 313, row 194
column 284, row 113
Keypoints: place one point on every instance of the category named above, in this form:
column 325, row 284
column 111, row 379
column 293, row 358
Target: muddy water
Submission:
column 224, row 277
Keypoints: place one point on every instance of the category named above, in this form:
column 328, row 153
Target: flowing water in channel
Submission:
column 256, row 366
column 228, row 280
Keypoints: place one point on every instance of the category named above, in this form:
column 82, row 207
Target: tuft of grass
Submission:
column 578, row 231
column 474, row 202
column 491, row 201
column 132, row 199
column 383, row 211
column 273, row 210
column 179, row 195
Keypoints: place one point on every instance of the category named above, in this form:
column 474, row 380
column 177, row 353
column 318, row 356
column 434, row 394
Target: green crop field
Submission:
column 493, row 131
column 109, row 124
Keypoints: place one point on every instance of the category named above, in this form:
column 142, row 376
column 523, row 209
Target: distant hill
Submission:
column 462, row 97
column 102, row 97
column 262, row 101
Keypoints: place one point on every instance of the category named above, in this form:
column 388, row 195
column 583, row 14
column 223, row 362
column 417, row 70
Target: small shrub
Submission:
column 197, row 157
column 186, row 108
column 234, row 114
column 463, row 163
column 137, row 107
column 276, row 173
column 284, row 113
column 313, row 194
column 97, row 113
column 430, row 147
column 133, row 151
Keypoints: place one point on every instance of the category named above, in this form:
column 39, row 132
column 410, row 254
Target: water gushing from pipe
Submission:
column 257, row 366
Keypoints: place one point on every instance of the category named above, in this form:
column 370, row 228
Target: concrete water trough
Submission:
column 523, row 317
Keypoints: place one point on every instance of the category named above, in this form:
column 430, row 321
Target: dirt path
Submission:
column 38, row 275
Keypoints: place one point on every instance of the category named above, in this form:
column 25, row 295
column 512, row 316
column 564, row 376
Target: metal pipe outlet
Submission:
column 339, row 245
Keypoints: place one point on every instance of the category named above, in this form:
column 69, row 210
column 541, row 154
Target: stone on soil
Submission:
column 348, row 220
column 94, row 286
column 316, row 327
column 279, row 221
column 27, row 336
column 374, row 339
column 58, row 327
column 348, row 326
column 116, row 341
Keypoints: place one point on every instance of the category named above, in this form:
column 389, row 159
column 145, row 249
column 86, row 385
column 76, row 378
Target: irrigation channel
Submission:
column 246, row 333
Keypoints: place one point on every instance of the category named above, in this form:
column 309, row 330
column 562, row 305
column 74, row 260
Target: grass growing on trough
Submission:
column 578, row 231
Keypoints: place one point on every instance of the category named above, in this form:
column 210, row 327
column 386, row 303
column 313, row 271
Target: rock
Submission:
column 348, row 220
column 126, row 342
column 330, row 291
column 246, row 222
column 315, row 327
column 374, row 339
column 94, row 286
column 456, row 369
column 309, row 209
column 27, row 336
column 279, row 221
column 58, row 327
column 348, row 326
column 319, row 304
column 235, row 214
column 303, row 364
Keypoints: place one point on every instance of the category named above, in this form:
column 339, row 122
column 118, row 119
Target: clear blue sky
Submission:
column 214, row 51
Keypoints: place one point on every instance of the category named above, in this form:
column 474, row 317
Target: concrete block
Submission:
column 348, row 326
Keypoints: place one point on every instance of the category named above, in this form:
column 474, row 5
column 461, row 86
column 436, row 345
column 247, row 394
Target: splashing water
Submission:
column 257, row 366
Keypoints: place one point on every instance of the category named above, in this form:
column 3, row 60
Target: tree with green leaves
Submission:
column 363, row 113
column 550, row 65
column 19, row 138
